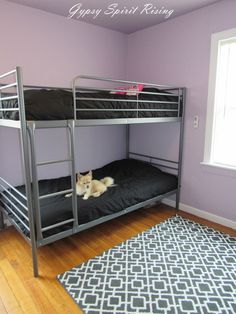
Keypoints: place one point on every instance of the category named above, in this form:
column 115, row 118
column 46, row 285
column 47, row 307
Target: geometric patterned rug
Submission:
column 178, row 266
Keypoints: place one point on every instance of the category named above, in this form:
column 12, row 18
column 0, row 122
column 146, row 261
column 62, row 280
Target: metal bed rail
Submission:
column 7, row 193
column 11, row 75
column 90, row 224
column 159, row 162
column 176, row 109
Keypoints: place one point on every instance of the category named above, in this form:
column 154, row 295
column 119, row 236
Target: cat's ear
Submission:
column 90, row 173
column 78, row 176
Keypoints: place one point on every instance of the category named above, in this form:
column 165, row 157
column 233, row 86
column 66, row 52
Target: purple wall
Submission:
column 52, row 51
column 177, row 52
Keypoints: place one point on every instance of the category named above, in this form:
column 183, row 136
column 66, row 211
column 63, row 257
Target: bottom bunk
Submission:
column 135, row 182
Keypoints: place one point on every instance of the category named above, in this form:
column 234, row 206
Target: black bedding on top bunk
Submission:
column 136, row 181
column 44, row 104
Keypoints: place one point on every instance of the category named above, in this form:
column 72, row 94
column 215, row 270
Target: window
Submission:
column 220, row 142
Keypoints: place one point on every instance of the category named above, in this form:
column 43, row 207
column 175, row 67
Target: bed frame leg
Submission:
column 177, row 200
column 35, row 260
column 1, row 220
column 181, row 139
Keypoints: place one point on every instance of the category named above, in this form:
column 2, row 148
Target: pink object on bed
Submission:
column 132, row 90
column 121, row 91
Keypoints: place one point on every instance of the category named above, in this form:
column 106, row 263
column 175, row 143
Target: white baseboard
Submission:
column 201, row 213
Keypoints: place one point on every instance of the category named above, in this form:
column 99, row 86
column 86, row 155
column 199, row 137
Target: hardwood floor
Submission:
column 20, row 292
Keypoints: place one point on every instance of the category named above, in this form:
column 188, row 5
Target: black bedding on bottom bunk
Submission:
column 135, row 180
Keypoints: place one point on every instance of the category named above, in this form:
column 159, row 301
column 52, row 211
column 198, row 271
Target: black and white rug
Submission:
column 178, row 266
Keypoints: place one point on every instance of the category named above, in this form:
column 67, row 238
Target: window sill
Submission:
column 219, row 169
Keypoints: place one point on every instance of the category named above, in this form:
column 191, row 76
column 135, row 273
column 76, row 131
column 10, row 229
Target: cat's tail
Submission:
column 108, row 182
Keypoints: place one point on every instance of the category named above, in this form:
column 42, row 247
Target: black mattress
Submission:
column 44, row 104
column 136, row 181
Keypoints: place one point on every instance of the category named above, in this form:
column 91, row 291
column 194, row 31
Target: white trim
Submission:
column 211, row 99
column 201, row 213
column 221, row 166
column 215, row 39
column 218, row 170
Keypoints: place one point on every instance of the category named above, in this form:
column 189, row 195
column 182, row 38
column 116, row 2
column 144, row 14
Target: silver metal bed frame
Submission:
column 32, row 220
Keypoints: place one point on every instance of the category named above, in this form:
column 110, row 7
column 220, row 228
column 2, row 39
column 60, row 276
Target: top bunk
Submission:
column 101, row 101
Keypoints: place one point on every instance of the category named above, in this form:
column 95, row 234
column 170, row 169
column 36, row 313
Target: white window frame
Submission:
column 215, row 39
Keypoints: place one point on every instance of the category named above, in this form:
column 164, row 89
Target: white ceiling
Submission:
column 140, row 16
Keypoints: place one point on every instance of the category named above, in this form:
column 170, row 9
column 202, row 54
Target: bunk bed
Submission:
column 39, row 209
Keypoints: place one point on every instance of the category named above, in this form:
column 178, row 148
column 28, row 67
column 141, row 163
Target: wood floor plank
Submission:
column 2, row 307
column 17, row 287
column 10, row 302
column 56, row 299
column 21, row 293
column 61, row 301
column 40, row 299
column 31, row 285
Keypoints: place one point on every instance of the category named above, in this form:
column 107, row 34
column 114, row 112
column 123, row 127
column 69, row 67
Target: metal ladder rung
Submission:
column 9, row 109
column 7, row 86
column 57, row 225
column 9, row 97
column 43, row 163
column 55, row 194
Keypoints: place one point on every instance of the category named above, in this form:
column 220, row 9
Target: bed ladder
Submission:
column 32, row 126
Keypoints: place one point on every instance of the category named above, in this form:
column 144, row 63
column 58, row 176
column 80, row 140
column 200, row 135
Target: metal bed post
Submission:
column 72, row 156
column 71, row 125
column 127, row 140
column 1, row 213
column 181, row 137
column 1, row 113
column 36, row 202
column 26, row 167
column 1, row 220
